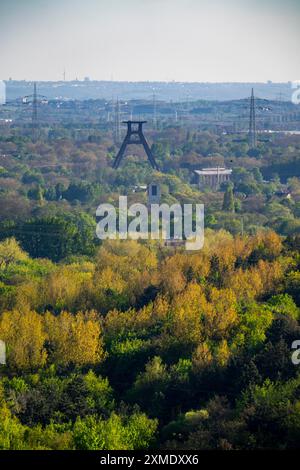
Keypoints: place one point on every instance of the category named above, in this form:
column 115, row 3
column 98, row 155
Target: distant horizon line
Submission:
column 89, row 80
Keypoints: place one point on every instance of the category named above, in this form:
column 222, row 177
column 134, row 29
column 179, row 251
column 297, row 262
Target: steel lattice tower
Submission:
column 135, row 136
column 34, row 113
column 252, row 124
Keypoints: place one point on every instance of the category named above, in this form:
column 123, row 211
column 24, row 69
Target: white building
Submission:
column 213, row 177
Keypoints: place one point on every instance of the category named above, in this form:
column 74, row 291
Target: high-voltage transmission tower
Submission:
column 34, row 113
column 117, row 123
column 35, row 98
column 252, row 125
column 135, row 136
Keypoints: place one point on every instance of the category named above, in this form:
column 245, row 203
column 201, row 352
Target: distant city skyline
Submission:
column 157, row 40
column 86, row 79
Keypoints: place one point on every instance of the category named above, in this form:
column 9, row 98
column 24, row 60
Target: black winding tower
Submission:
column 135, row 136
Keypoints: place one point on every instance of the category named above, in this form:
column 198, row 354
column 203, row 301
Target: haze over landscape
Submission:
column 158, row 40
column 131, row 132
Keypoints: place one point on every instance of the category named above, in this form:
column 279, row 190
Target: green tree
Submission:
column 117, row 433
column 228, row 201
column 56, row 237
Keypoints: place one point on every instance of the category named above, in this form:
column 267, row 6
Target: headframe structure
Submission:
column 135, row 136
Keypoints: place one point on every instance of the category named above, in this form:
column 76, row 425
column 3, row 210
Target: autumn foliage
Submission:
column 181, row 338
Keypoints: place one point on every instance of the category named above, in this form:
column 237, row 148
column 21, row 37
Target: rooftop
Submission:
column 214, row 171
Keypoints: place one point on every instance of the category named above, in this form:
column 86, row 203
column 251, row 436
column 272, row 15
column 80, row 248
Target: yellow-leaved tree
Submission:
column 63, row 288
column 24, row 337
column 221, row 315
column 74, row 339
column 187, row 310
column 10, row 252
column 124, row 269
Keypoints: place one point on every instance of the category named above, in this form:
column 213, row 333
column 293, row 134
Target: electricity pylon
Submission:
column 252, row 123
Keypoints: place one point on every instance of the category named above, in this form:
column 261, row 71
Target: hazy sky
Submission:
column 182, row 40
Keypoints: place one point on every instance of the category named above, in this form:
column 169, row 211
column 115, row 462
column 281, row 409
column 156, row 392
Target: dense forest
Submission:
column 133, row 345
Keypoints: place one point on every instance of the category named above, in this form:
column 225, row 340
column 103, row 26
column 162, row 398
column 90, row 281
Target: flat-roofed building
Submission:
column 213, row 177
